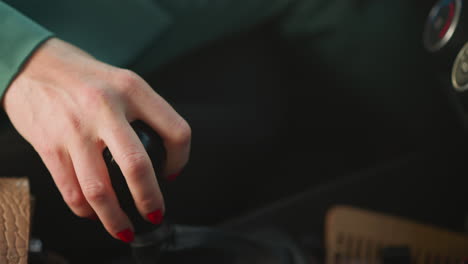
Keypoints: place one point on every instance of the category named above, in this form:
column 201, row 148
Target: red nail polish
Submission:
column 126, row 235
column 155, row 217
column 172, row 177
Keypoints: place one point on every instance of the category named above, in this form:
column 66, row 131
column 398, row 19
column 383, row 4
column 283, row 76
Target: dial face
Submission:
column 441, row 24
column 460, row 70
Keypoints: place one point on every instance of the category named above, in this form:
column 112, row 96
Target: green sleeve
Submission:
column 19, row 37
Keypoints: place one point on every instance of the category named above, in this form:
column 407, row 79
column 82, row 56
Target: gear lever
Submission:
column 153, row 241
column 148, row 238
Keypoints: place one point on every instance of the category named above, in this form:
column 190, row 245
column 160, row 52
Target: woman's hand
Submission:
column 70, row 106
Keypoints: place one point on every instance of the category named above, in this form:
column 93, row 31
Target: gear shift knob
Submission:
column 148, row 237
column 154, row 146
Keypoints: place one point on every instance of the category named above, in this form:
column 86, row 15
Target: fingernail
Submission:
column 126, row 235
column 172, row 177
column 155, row 217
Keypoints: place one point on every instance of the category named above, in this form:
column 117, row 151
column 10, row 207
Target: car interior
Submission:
column 280, row 140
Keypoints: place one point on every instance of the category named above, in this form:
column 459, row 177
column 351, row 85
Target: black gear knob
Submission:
column 148, row 238
column 155, row 149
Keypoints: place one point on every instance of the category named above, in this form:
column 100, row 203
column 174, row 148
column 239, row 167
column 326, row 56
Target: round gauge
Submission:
column 460, row 70
column 441, row 24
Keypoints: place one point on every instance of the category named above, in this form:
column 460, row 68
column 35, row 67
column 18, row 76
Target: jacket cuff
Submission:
column 19, row 38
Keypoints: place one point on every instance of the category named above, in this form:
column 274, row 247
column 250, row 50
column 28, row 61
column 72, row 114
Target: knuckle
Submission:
column 75, row 123
column 181, row 133
column 95, row 191
column 74, row 199
column 95, row 97
column 136, row 163
column 49, row 152
column 128, row 81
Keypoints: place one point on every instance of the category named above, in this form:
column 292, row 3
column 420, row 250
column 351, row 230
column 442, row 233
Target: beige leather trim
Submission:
column 355, row 235
column 15, row 212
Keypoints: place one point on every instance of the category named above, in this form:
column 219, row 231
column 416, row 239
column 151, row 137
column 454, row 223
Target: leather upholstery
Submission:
column 14, row 220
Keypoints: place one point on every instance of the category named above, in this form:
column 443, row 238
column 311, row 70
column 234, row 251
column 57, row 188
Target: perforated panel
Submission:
column 357, row 236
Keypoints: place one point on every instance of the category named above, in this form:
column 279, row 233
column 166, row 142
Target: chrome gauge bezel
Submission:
column 461, row 57
column 435, row 46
